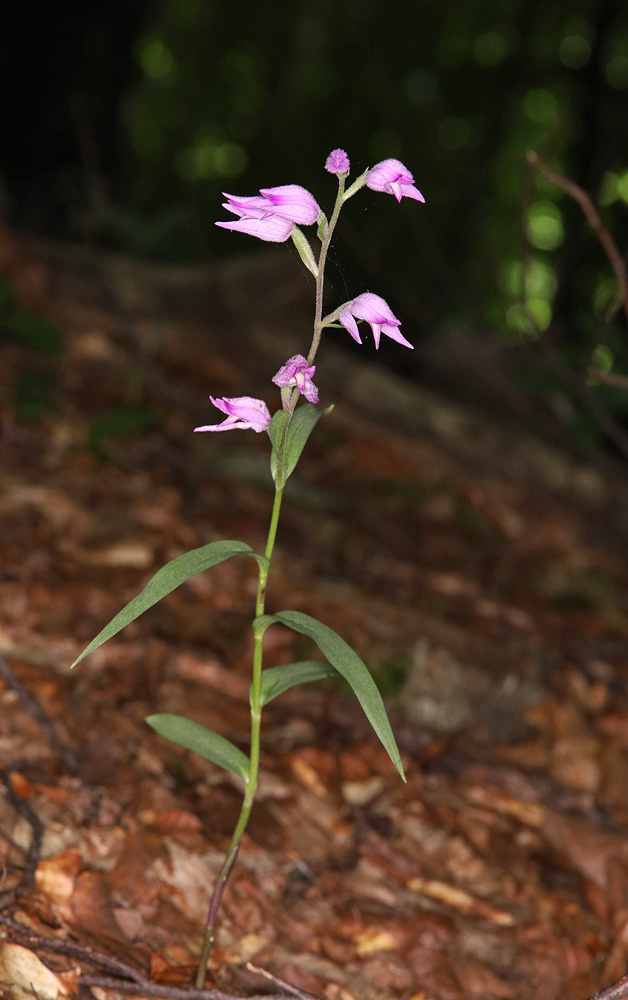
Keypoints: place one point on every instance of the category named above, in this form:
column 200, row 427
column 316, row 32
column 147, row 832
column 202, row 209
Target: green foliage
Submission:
column 193, row 736
column 33, row 388
column 119, row 422
column 32, row 395
column 300, row 426
column 276, row 680
column 32, row 331
column 350, row 666
column 167, row 579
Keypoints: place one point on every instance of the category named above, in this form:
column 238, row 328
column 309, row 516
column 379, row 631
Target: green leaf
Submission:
column 276, row 431
column 304, row 420
column 167, row 579
column 33, row 331
column 201, row 740
column 276, row 680
column 300, row 426
column 354, row 671
column 120, row 422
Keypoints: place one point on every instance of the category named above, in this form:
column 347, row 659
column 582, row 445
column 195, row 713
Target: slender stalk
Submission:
column 251, row 780
column 320, row 277
column 289, row 404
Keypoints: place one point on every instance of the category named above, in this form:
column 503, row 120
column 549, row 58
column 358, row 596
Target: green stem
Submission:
column 320, row 277
column 251, row 779
column 289, row 404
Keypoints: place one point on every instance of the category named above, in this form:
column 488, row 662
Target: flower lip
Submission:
column 337, row 162
column 392, row 177
column 243, row 413
column 270, row 228
column 297, row 373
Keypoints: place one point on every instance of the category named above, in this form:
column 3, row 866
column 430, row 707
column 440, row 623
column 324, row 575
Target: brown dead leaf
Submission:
column 22, row 969
column 56, row 876
column 460, row 900
column 479, row 981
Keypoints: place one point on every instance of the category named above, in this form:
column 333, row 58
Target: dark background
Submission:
column 124, row 120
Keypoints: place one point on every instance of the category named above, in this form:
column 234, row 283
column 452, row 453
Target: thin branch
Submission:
column 23, row 809
column 293, row 991
column 58, row 946
column 150, row 989
column 590, row 212
column 616, row 991
column 32, row 706
column 609, row 378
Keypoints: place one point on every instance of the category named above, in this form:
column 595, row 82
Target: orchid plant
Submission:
column 276, row 215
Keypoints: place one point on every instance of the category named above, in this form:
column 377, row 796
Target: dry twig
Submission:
column 579, row 195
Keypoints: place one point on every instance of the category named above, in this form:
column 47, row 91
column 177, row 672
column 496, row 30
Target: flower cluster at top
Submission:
column 275, row 216
column 272, row 215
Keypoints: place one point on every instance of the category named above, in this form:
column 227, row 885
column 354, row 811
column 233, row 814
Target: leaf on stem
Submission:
column 300, row 426
column 352, row 668
column 167, row 579
column 208, row 744
column 276, row 680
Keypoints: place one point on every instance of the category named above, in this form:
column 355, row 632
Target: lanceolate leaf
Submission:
column 300, row 426
column 276, row 680
column 354, row 671
column 191, row 735
column 304, row 420
column 276, row 432
column 167, row 579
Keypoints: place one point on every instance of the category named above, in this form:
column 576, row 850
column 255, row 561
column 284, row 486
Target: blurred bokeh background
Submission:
column 123, row 120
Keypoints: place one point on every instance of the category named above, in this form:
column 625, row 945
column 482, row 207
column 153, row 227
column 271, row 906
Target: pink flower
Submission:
column 392, row 177
column 291, row 201
column 271, row 215
column 378, row 313
column 271, row 228
column 337, row 162
column 243, row 413
column 296, row 372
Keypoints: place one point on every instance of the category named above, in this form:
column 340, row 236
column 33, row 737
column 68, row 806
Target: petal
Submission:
column 347, row 320
column 253, row 206
column 230, row 424
column 243, row 412
column 288, row 371
column 409, row 191
column 374, row 309
column 395, row 334
column 271, row 228
column 310, row 392
column 293, row 202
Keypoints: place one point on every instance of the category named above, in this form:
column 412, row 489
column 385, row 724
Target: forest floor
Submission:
column 482, row 575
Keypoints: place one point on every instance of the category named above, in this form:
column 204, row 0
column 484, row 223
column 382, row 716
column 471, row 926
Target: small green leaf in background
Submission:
column 167, row 579
column 121, row 422
column 352, row 668
column 32, row 394
column 30, row 330
column 192, row 736
column 276, row 680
